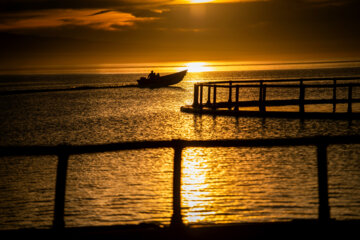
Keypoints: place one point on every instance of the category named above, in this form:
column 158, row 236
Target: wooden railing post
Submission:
column 334, row 96
column 263, row 103
column 214, row 97
column 196, row 95
column 301, row 97
column 262, row 96
column 176, row 219
column 201, row 96
column 60, row 189
column 349, row 99
column 230, row 92
column 324, row 209
column 209, row 96
column 237, row 98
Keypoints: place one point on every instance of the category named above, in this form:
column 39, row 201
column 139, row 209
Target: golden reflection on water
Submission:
column 207, row 178
column 194, row 185
column 202, row 186
column 238, row 185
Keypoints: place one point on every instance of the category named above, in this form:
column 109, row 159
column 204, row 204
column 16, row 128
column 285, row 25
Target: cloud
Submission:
column 96, row 19
column 29, row 5
column 13, row 13
column 32, row 5
column 163, row 30
column 101, row 12
column 212, row 1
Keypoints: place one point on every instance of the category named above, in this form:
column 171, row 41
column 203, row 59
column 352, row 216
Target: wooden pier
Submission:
column 340, row 91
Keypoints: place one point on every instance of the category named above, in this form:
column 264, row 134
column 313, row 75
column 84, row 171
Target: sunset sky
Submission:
column 65, row 32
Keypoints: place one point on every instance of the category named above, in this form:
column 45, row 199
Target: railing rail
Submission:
column 281, row 85
column 288, row 80
column 64, row 151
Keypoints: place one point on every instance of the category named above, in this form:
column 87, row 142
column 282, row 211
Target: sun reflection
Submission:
column 195, row 189
column 193, row 217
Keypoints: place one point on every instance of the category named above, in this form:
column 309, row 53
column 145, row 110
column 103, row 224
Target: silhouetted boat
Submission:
column 163, row 81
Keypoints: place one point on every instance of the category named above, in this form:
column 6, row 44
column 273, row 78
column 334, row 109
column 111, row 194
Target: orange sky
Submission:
column 44, row 32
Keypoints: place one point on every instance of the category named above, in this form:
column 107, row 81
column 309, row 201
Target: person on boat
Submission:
column 157, row 75
column 151, row 75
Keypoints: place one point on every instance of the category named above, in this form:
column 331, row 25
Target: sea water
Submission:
column 219, row 185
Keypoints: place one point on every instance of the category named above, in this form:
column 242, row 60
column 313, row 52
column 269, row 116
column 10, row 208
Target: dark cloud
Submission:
column 31, row 5
column 101, row 12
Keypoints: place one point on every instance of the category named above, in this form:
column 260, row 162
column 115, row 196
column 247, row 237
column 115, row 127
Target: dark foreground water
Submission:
column 219, row 185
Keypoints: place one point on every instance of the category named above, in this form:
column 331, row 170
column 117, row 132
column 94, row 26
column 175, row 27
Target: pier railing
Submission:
column 64, row 151
column 263, row 86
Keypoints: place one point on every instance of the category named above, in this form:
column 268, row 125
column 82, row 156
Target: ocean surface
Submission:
column 220, row 185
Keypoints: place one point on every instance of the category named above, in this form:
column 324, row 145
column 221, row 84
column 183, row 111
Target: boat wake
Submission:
column 78, row 88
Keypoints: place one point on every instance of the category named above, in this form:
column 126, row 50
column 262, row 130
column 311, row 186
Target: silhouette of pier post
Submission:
column 334, row 96
column 349, row 99
column 237, row 98
column 214, row 98
column 176, row 219
column 230, row 94
column 208, row 103
column 59, row 208
column 263, row 102
column 262, row 97
column 301, row 97
column 201, row 96
column 196, row 95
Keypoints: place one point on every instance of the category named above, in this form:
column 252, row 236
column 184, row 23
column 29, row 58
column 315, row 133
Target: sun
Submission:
column 195, row 1
column 198, row 67
column 200, row 1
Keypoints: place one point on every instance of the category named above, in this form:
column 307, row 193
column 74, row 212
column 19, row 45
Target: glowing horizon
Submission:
column 171, row 67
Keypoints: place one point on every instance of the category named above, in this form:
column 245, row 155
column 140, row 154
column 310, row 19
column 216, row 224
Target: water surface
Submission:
column 220, row 185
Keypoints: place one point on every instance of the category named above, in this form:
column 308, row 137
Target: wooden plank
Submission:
column 286, row 80
column 271, row 114
column 290, row 102
column 289, row 85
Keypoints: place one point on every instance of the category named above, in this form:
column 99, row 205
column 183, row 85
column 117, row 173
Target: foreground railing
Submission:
column 64, row 151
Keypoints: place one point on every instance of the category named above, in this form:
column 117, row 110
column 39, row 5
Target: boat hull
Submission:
column 163, row 81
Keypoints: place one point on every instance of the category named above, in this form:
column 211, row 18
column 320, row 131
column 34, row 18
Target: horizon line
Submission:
column 172, row 64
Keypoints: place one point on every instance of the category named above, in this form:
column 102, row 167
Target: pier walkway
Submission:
column 232, row 98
